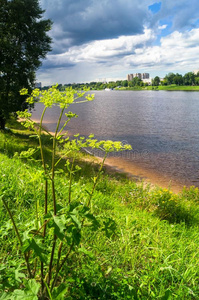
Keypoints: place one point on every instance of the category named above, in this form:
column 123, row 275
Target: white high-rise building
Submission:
column 145, row 75
column 139, row 75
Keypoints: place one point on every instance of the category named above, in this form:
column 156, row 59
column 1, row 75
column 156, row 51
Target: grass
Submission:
column 172, row 87
column 175, row 87
column 150, row 249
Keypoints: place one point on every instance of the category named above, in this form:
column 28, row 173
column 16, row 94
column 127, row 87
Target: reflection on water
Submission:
column 162, row 128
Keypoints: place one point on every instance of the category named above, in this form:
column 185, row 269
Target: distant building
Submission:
column 141, row 76
column 38, row 85
column 129, row 77
column 145, row 76
column 147, row 80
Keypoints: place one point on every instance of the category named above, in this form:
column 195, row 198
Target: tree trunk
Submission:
column 2, row 123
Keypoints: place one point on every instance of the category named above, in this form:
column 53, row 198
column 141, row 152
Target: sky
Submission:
column 98, row 40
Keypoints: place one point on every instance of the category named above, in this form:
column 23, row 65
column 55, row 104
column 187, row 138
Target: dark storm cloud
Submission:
column 50, row 64
column 81, row 21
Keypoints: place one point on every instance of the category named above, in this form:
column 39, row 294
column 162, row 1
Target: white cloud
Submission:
column 162, row 27
column 103, row 51
column 176, row 51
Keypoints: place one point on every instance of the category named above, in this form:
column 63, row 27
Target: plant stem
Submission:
column 70, row 182
column 46, row 189
column 53, row 193
column 96, row 180
column 53, row 159
column 51, row 259
column 40, row 142
column 61, row 266
column 57, row 269
column 18, row 235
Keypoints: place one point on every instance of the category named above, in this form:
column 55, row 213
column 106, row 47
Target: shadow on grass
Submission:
column 17, row 139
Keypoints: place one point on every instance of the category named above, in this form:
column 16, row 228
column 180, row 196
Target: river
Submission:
column 161, row 126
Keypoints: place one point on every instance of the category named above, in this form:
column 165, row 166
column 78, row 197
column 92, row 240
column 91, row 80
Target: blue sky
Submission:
column 107, row 39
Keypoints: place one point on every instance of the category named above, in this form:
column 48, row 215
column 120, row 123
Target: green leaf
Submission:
column 6, row 296
column 30, row 292
column 76, row 221
column 33, row 286
column 59, row 225
column 39, row 250
column 166, row 295
column 109, row 227
column 59, row 292
column 76, row 235
column 18, row 274
column 92, row 218
column 26, row 245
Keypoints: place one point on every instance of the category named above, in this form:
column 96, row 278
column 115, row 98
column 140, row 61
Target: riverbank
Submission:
column 131, row 169
column 138, row 243
column 17, row 139
column 135, row 172
column 144, row 175
column 172, row 87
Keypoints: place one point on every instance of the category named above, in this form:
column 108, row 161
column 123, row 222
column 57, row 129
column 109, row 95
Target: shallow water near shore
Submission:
column 162, row 128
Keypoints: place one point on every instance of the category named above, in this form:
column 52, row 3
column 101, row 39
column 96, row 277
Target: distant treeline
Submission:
column 189, row 79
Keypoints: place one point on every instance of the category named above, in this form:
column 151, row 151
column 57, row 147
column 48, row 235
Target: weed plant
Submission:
column 51, row 238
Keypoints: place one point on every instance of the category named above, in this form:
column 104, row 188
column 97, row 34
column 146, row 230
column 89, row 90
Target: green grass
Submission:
column 172, row 87
column 152, row 253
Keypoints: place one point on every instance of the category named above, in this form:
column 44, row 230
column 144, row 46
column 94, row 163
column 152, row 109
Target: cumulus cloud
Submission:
column 112, row 48
column 109, row 36
column 135, row 50
column 104, row 51
column 175, row 51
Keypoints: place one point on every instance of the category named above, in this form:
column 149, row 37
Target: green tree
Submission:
column 197, row 80
column 156, row 81
column 164, row 81
column 178, row 79
column 124, row 83
column 189, row 78
column 135, row 82
column 111, row 85
column 170, row 78
column 23, row 44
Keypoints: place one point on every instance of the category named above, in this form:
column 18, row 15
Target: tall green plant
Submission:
column 48, row 248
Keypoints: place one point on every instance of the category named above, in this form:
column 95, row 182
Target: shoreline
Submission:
column 131, row 169
column 137, row 173
column 182, row 88
column 149, row 177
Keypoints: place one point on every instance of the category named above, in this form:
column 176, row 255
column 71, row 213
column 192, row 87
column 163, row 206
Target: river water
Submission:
column 161, row 126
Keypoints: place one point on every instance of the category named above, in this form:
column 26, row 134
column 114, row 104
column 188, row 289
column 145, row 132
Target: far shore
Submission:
column 172, row 87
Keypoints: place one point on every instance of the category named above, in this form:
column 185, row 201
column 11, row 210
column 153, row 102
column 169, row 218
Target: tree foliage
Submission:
column 188, row 79
column 23, row 44
column 156, row 81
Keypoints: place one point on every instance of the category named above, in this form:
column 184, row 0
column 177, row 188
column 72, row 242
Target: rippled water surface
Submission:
column 161, row 126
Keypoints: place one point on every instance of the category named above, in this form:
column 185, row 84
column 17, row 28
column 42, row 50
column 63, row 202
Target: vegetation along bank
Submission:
column 69, row 230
